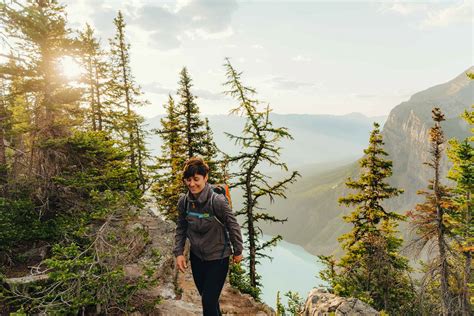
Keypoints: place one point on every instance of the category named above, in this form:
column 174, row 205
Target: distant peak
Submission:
column 355, row 115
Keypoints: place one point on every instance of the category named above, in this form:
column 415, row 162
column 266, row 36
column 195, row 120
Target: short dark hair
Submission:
column 193, row 166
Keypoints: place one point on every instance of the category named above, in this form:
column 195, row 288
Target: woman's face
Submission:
column 196, row 183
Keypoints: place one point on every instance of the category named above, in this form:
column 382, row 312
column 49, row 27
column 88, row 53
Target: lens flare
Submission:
column 70, row 68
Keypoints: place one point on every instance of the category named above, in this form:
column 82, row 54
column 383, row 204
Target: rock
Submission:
column 322, row 303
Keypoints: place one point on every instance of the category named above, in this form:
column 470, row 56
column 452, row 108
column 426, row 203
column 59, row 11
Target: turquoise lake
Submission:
column 292, row 268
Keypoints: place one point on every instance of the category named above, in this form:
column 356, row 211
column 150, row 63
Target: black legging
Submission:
column 209, row 277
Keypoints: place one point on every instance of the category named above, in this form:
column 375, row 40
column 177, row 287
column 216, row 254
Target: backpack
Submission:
column 224, row 190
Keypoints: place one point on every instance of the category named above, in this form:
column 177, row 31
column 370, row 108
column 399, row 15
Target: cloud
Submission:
column 300, row 58
column 199, row 19
column 155, row 87
column 208, row 95
column 434, row 14
column 167, row 24
column 402, row 8
column 287, row 84
column 457, row 13
column 209, row 16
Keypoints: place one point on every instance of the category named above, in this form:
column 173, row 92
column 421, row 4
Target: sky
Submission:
column 305, row 57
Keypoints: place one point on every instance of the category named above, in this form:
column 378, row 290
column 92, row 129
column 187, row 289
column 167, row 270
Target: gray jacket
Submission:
column 207, row 235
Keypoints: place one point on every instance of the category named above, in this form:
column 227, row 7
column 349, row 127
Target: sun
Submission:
column 69, row 67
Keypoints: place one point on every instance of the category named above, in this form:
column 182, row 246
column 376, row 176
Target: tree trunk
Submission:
column 3, row 156
column 98, row 102
column 440, row 237
column 466, row 310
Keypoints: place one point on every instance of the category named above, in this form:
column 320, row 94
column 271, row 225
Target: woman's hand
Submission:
column 181, row 263
column 237, row 259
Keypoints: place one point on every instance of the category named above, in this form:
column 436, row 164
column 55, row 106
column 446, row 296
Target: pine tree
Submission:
column 462, row 172
column 194, row 133
column 431, row 218
column 92, row 57
column 169, row 184
column 371, row 268
column 124, row 94
column 184, row 135
column 259, row 144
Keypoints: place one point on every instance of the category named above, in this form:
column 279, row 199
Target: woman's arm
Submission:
column 181, row 228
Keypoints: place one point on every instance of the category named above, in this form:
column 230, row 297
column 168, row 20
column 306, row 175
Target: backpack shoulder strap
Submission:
column 213, row 197
column 185, row 204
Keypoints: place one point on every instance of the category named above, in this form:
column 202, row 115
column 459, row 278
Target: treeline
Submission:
column 373, row 268
column 75, row 168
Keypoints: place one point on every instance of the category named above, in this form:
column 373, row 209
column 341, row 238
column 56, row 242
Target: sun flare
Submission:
column 70, row 68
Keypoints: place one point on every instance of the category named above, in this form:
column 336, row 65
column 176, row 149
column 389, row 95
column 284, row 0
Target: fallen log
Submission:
column 26, row 279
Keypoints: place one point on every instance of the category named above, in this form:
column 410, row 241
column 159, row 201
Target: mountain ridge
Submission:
column 315, row 220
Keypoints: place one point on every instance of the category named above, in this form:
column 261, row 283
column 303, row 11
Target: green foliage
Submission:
column 294, row 307
column 295, row 303
column 80, row 280
column 279, row 306
column 19, row 224
column 461, row 155
column 168, row 183
column 240, row 280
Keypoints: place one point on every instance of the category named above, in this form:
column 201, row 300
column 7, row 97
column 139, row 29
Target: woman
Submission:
column 206, row 219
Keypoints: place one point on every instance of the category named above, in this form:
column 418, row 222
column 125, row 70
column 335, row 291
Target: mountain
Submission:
column 317, row 138
column 314, row 216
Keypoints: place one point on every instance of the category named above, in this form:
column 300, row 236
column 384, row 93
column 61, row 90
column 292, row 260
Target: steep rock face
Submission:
column 320, row 303
column 406, row 133
column 314, row 216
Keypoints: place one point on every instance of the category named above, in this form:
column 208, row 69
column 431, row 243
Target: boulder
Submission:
column 322, row 303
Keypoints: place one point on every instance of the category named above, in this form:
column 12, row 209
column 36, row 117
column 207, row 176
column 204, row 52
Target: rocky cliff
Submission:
column 406, row 133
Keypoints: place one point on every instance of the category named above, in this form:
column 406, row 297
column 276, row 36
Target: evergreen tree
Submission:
column 462, row 172
column 371, row 268
column 259, row 144
column 194, row 132
column 168, row 183
column 431, row 219
column 184, row 135
column 92, row 57
column 124, row 94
